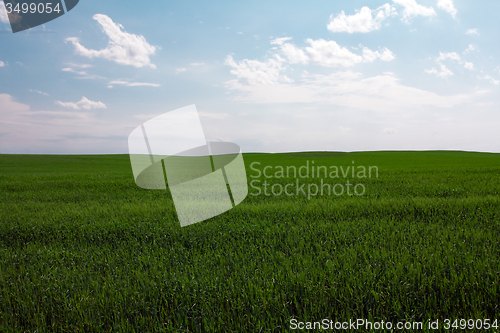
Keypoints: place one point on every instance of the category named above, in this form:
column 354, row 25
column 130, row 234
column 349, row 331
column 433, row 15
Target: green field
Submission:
column 83, row 249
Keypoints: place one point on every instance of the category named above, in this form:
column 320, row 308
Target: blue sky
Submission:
column 270, row 76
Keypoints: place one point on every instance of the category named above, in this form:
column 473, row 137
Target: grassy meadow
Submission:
column 83, row 249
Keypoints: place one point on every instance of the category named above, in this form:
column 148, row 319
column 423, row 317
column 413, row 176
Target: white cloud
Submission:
column 328, row 53
column 469, row 65
column 445, row 71
column 489, row 78
column 447, row 5
column 470, row 49
column 197, row 64
column 4, row 18
column 431, row 71
column 2, row 64
column 8, row 103
column 84, row 103
column 449, row 55
column 411, row 9
column 56, row 132
column 71, row 70
column 72, row 65
column 180, row 70
column 123, row 48
column 82, row 74
column 365, row 20
column 253, row 72
column 39, row 92
column 294, row 54
column 131, row 84
column 320, row 52
column 370, row 56
column 474, row 31
column 349, row 89
column 280, row 41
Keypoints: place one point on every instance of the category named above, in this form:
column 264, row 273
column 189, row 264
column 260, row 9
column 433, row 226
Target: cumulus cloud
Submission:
column 365, row 20
column 474, row 31
column 2, row 64
column 131, row 84
column 4, row 18
column 123, row 48
column 412, row 9
column 294, row 54
column 253, row 72
column 448, row 6
column 84, row 103
column 329, row 53
column 370, row 56
column 319, row 52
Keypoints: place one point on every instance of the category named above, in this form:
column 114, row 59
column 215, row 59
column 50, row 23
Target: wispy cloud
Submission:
column 82, row 74
column 72, row 132
column 445, row 71
column 381, row 92
column 71, row 70
column 180, row 70
column 470, row 49
column 39, row 92
column 2, row 64
column 123, row 48
column 131, row 84
column 491, row 79
column 84, row 103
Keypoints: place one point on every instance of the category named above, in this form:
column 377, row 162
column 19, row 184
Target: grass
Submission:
column 83, row 249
